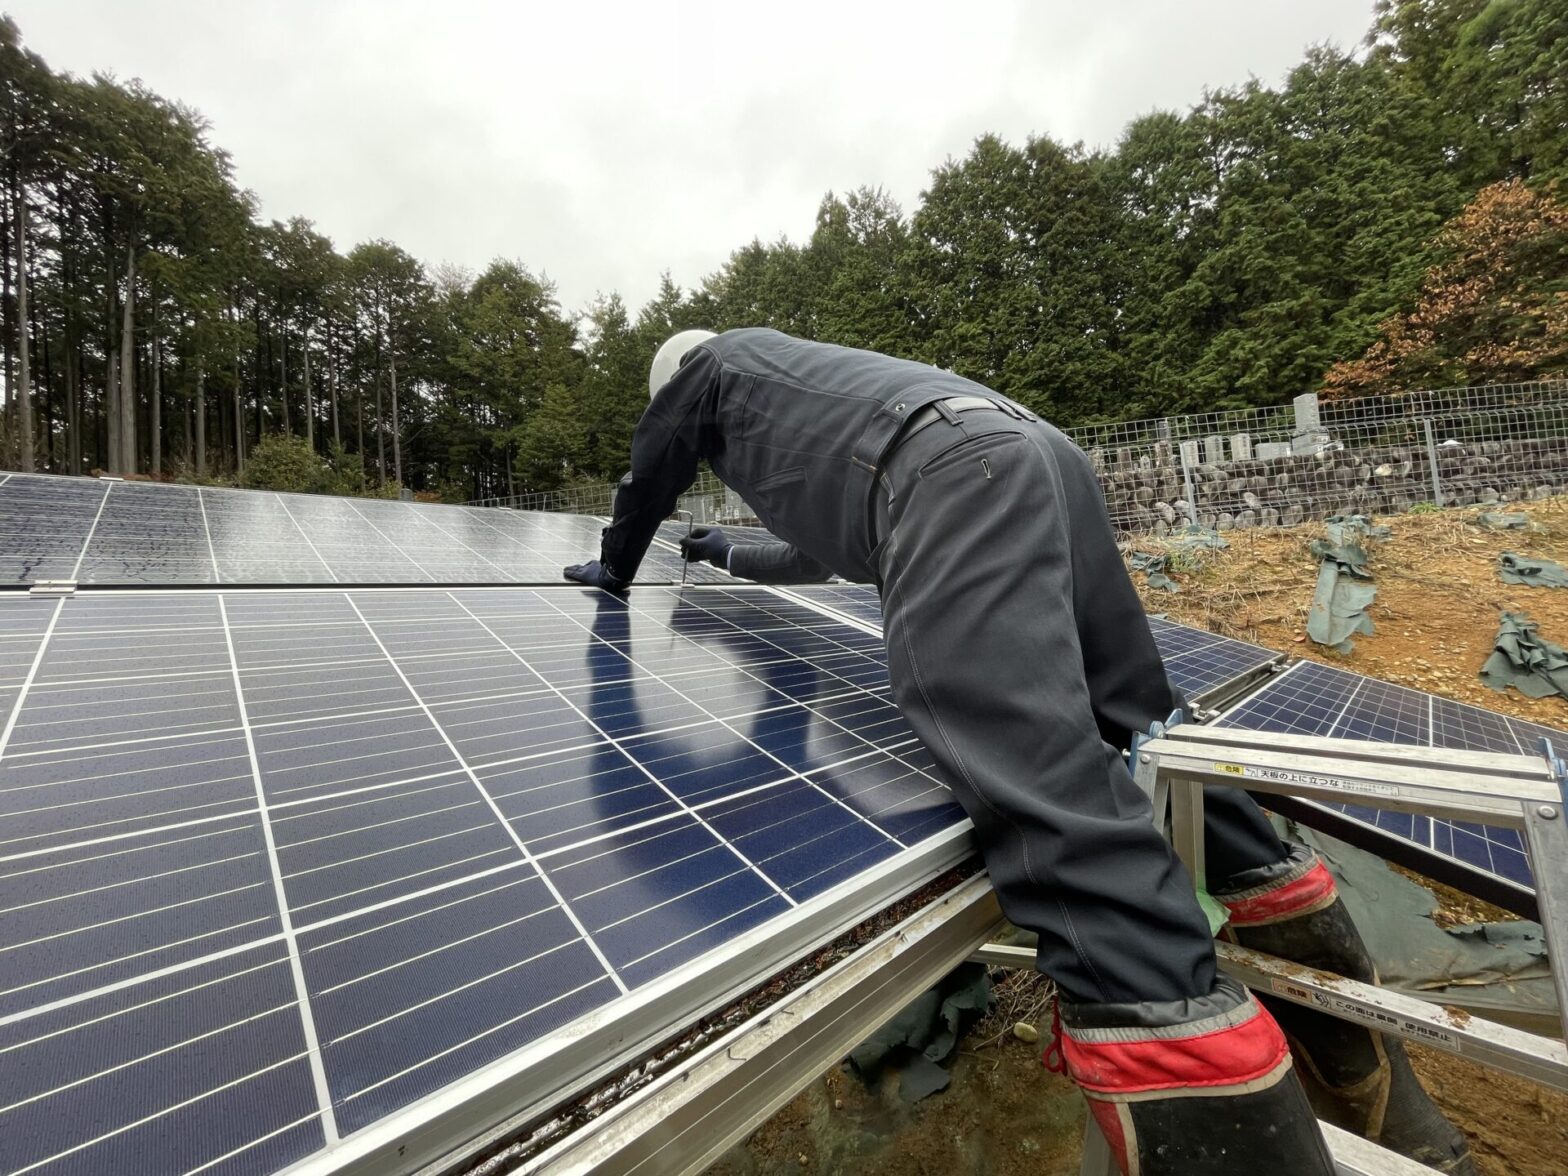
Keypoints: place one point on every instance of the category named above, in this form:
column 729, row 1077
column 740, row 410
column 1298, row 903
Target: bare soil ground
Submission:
column 1437, row 607
column 1436, row 614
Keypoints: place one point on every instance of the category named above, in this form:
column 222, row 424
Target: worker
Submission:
column 1019, row 655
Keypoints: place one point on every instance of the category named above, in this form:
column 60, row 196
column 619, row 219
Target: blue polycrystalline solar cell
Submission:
column 44, row 524
column 203, row 1069
column 148, row 534
column 141, row 533
column 805, row 838
column 1313, row 699
column 409, row 998
column 485, row 813
column 256, row 539
column 673, row 531
column 853, row 600
column 1196, row 660
column 655, row 897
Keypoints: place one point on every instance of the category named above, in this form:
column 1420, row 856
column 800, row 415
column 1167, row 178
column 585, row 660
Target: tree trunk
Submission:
column 397, row 440
column 155, row 423
column 128, row 367
column 24, row 377
column 73, row 407
column 46, row 401
column 187, row 441
column 332, row 356
column 239, row 422
column 381, row 433
column 283, row 384
column 201, row 420
column 9, row 370
column 310, row 397
column 111, row 384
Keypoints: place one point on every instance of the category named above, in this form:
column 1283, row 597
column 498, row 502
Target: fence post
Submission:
column 1186, row 478
column 1431, row 457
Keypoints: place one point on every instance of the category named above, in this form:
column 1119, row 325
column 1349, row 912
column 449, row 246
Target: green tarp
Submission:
column 1503, row 520
column 1339, row 608
column 1350, row 556
column 924, row 1035
column 1192, row 536
column 1531, row 570
column 1525, row 660
column 1348, row 528
column 1153, row 568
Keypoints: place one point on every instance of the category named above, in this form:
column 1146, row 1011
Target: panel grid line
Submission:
column 303, row 535
column 473, row 776
column 504, row 573
column 616, row 743
column 32, row 673
column 390, row 542
column 318, row 1072
column 217, row 575
column 91, row 531
column 793, row 774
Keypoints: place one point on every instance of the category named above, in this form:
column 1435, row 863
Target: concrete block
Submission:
column 1313, row 442
column 1308, row 419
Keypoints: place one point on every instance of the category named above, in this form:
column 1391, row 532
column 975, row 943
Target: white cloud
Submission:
column 602, row 143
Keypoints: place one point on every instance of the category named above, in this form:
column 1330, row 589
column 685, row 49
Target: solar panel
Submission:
column 1203, row 665
column 278, row 867
column 676, row 530
column 859, row 601
column 107, row 532
column 1315, row 699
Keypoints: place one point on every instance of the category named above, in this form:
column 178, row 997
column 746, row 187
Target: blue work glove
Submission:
column 597, row 574
column 707, row 543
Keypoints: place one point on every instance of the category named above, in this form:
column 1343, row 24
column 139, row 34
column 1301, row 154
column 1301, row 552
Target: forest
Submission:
column 1388, row 217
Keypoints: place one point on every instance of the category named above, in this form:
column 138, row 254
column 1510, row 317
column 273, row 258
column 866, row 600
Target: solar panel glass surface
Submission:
column 277, row 865
column 1315, row 699
column 107, row 532
column 1198, row 662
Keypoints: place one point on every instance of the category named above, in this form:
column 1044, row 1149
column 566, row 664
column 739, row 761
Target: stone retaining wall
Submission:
column 1148, row 493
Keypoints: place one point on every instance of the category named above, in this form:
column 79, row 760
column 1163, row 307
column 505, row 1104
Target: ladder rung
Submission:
column 1354, row 1156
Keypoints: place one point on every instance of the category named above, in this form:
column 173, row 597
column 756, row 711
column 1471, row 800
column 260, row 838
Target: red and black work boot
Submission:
column 1200, row 1087
column 1357, row 1079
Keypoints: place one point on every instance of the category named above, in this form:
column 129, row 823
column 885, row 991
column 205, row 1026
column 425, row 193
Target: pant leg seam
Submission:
column 974, row 787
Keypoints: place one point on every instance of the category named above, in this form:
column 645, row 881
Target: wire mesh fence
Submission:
column 1311, row 460
column 1275, row 466
column 708, row 501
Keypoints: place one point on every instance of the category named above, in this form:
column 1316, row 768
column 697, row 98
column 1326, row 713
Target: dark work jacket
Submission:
column 797, row 429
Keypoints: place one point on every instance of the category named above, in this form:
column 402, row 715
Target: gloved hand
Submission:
column 597, row 574
column 707, row 543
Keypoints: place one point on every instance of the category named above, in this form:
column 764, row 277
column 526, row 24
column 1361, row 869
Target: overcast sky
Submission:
column 603, row 143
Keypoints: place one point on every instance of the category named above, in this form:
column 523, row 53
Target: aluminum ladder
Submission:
column 1524, row 793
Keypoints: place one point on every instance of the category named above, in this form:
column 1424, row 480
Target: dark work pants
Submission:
column 1020, row 655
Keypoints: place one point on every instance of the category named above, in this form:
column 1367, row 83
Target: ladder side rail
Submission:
column 1456, row 795
column 1484, row 763
column 1546, row 845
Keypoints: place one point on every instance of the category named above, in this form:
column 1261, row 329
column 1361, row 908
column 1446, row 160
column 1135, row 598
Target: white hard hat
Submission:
column 668, row 358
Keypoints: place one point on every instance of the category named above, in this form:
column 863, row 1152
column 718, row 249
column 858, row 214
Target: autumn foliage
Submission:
column 1495, row 311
